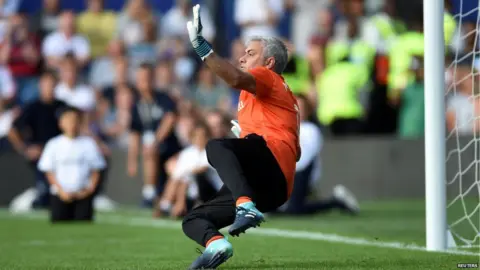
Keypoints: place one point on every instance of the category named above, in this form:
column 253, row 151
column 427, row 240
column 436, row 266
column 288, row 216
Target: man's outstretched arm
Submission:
column 233, row 76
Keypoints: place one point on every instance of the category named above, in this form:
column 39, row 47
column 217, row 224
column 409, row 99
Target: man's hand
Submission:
column 83, row 194
column 200, row 45
column 65, row 196
column 33, row 152
column 236, row 129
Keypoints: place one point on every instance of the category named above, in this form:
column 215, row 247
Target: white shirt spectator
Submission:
column 57, row 44
column 7, row 84
column 173, row 24
column 257, row 12
column 6, row 120
column 189, row 160
column 81, row 96
column 311, row 143
column 71, row 161
column 464, row 110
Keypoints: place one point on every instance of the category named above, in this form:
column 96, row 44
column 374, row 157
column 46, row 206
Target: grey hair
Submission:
column 273, row 47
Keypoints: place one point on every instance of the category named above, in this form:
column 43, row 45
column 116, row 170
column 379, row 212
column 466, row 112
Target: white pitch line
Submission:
column 292, row 234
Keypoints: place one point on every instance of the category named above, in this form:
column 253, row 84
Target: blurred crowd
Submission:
column 359, row 63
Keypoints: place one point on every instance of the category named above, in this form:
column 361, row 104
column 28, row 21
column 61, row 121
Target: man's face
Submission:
column 144, row 80
column 68, row 72
column 253, row 56
column 67, row 23
column 95, row 5
column 47, row 85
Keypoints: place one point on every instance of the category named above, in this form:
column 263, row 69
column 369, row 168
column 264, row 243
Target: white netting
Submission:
column 463, row 136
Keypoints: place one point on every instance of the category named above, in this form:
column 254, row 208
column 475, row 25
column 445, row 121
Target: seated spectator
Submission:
column 8, row 89
column 218, row 124
column 209, row 94
column 192, row 181
column 177, row 17
column 70, row 90
column 130, row 27
column 117, row 121
column 37, row 124
column 175, row 52
column 308, row 172
column 258, row 17
column 21, row 50
column 64, row 41
column 98, row 25
column 164, row 75
column 152, row 128
column 8, row 8
column 121, row 79
column 144, row 51
column 7, row 116
column 105, row 69
column 72, row 164
column 47, row 19
column 187, row 117
column 463, row 109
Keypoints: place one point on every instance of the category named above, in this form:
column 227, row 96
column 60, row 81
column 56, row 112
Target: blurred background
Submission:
column 358, row 64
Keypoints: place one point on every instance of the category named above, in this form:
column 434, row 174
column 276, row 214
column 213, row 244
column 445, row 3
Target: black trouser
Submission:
column 79, row 210
column 298, row 204
column 247, row 168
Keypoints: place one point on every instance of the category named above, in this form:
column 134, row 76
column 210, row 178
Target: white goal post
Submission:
column 435, row 171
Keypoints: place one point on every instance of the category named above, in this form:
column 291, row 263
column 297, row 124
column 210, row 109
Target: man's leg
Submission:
column 202, row 225
column 150, row 161
column 84, row 209
column 249, row 169
column 60, row 211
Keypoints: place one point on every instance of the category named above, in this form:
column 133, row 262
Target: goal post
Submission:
column 435, row 171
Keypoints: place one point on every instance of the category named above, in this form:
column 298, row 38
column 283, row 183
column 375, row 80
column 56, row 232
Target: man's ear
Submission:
column 270, row 63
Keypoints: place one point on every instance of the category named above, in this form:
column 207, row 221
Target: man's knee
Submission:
column 214, row 150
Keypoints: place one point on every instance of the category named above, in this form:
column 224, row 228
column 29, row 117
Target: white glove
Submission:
column 200, row 45
column 236, row 128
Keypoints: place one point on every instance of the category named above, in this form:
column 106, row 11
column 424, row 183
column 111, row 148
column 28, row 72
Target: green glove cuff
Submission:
column 202, row 47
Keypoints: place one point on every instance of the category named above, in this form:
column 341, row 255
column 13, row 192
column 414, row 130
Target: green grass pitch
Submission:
column 385, row 236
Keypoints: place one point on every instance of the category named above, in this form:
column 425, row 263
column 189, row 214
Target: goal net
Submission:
column 463, row 130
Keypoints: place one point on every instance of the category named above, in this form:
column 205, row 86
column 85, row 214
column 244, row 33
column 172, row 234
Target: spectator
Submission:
column 308, row 171
column 144, row 51
column 193, row 180
column 152, row 127
column 209, row 94
column 130, row 22
column 109, row 69
column 98, row 25
column 463, row 110
column 411, row 124
column 218, row 124
column 173, row 24
column 188, row 115
column 8, row 88
column 258, row 17
column 341, row 98
column 46, row 20
column 21, row 50
column 164, row 75
column 304, row 13
column 70, row 90
column 6, row 119
column 39, row 122
column 72, row 164
column 117, row 121
column 64, row 41
column 8, row 8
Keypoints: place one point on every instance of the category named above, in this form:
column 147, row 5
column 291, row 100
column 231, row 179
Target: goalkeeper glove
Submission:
column 236, row 128
column 200, row 45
